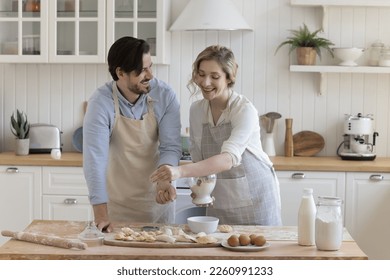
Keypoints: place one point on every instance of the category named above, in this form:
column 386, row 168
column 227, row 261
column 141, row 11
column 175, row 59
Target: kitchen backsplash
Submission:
column 54, row 93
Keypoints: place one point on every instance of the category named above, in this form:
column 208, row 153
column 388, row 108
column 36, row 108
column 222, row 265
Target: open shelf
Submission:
column 362, row 3
column 339, row 69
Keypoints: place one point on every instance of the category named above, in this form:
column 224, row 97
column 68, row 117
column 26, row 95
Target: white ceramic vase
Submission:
column 22, row 147
column 268, row 144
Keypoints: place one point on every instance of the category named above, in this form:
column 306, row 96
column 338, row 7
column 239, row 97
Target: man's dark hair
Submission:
column 127, row 53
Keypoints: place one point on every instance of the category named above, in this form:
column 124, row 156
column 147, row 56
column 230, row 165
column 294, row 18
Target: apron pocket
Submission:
column 232, row 193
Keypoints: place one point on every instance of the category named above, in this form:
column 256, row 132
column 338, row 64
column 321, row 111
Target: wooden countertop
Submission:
column 67, row 159
column 282, row 249
column 330, row 164
column 281, row 163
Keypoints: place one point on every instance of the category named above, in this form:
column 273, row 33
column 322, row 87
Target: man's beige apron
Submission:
column 133, row 157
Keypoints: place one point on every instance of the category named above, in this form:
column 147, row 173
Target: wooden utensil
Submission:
column 288, row 139
column 272, row 116
column 307, row 143
column 45, row 239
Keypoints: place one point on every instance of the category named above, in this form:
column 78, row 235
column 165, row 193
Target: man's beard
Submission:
column 138, row 90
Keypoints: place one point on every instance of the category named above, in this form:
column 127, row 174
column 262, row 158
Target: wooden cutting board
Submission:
column 307, row 143
column 109, row 239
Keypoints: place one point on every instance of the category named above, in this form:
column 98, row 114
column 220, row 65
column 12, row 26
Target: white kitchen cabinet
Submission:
column 367, row 212
column 80, row 31
column 77, row 31
column 65, row 194
column 292, row 184
column 23, row 31
column 20, row 197
column 144, row 19
column 58, row 31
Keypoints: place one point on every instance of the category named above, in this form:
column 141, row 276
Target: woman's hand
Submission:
column 165, row 173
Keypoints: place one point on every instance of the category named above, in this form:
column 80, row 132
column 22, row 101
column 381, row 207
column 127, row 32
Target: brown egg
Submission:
column 252, row 237
column 244, row 239
column 233, row 241
column 260, row 240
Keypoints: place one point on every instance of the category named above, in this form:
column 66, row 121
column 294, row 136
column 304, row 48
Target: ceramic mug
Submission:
column 359, row 148
column 55, row 153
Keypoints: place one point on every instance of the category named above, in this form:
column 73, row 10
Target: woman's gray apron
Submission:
column 246, row 194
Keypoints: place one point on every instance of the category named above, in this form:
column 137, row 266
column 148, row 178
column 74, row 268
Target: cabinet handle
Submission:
column 298, row 175
column 70, row 201
column 12, row 170
column 376, row 177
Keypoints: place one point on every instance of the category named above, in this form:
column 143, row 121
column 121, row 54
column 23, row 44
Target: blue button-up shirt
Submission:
column 98, row 125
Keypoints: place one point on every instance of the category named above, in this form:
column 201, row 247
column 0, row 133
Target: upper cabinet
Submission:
column 79, row 31
column 23, row 31
column 143, row 19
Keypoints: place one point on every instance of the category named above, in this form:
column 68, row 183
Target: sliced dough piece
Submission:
column 165, row 238
column 184, row 238
column 201, row 234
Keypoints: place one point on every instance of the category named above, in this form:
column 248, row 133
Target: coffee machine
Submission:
column 357, row 133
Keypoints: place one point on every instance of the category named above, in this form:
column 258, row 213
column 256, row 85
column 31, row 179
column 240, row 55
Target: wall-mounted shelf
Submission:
column 339, row 69
column 363, row 3
column 326, row 3
column 324, row 69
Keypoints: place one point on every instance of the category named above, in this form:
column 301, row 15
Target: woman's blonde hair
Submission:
column 223, row 56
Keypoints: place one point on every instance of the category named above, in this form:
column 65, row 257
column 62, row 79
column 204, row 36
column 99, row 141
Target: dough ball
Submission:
column 233, row 241
column 225, row 228
column 244, row 239
column 260, row 240
column 206, row 239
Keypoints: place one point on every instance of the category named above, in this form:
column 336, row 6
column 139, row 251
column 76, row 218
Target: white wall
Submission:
column 54, row 93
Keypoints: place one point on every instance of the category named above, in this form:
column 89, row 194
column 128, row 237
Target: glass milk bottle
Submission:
column 306, row 219
column 329, row 224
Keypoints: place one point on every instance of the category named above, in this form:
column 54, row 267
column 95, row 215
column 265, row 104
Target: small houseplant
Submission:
column 20, row 127
column 307, row 45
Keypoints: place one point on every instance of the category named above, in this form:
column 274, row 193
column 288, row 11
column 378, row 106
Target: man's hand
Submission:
column 165, row 192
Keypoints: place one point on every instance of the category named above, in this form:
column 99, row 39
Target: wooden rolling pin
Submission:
column 45, row 239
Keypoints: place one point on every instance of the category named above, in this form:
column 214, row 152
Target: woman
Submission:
column 225, row 140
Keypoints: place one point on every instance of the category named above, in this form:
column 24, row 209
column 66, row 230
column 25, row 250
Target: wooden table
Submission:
column 282, row 239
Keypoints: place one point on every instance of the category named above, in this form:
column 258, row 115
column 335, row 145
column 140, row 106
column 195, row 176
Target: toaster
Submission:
column 44, row 138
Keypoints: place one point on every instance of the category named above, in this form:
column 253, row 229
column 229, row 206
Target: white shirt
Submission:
column 244, row 119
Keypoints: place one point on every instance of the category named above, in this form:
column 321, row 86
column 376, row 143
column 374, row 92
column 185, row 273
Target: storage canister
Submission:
column 329, row 223
column 375, row 52
column 384, row 59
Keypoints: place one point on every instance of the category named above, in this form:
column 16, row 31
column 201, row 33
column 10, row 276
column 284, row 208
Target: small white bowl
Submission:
column 206, row 224
column 348, row 55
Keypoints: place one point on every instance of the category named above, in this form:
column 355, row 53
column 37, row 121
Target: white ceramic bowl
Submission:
column 206, row 224
column 348, row 55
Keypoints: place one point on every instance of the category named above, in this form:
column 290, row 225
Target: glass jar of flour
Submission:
column 329, row 223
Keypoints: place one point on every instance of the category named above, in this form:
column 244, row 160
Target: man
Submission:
column 131, row 127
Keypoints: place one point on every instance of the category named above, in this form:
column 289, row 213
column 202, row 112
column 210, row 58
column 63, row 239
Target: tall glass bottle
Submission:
column 306, row 219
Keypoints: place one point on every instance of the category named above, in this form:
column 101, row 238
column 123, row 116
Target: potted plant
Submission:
column 20, row 127
column 307, row 45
